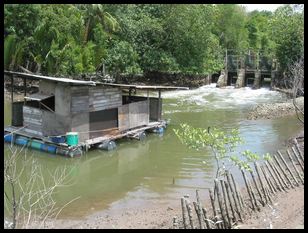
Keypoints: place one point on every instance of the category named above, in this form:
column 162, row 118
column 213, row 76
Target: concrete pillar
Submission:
column 222, row 80
column 240, row 82
column 257, row 80
column 208, row 79
column 273, row 76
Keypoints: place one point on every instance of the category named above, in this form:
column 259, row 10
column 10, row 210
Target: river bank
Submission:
column 286, row 212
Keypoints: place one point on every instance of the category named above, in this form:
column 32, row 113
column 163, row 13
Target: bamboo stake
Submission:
column 253, row 195
column 275, row 176
column 238, row 194
column 225, row 202
column 269, row 182
column 283, row 160
column 212, row 202
column 175, row 223
column 218, row 223
column 275, row 183
column 248, row 190
column 283, row 171
column 236, row 199
column 222, row 212
column 299, row 151
column 294, row 166
column 184, row 213
column 257, row 188
column 199, row 215
column 261, row 181
column 298, row 160
column 229, row 199
column 280, row 178
column 206, row 219
column 189, row 210
column 199, row 208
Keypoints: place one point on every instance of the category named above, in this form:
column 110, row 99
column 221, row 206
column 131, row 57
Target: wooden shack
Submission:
column 97, row 111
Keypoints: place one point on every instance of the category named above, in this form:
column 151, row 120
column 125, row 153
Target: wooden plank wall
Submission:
column 80, row 99
column 80, row 123
column 101, row 121
column 55, row 124
column 104, row 98
column 155, row 111
column 32, row 118
column 133, row 115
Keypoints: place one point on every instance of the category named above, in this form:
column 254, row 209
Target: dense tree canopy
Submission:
column 132, row 39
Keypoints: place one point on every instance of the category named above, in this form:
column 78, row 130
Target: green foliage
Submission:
column 287, row 27
column 220, row 142
column 136, row 38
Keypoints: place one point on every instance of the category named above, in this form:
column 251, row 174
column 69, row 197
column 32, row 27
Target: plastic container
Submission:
column 21, row 141
column 72, row 138
column 8, row 138
column 35, row 145
column 58, row 139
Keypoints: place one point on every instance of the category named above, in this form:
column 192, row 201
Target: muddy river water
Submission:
column 160, row 168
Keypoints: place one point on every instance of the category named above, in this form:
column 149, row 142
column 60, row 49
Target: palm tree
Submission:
column 95, row 13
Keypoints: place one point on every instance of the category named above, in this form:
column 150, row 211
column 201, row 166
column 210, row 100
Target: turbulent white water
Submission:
column 223, row 98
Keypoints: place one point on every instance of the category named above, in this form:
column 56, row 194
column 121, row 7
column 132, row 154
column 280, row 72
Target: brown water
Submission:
column 161, row 169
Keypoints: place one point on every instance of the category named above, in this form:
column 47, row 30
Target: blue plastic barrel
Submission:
column 52, row 149
column 21, row 141
column 8, row 138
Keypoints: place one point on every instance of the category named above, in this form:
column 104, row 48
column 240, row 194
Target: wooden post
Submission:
column 175, row 222
column 189, row 210
column 271, row 163
column 294, row 178
column 238, row 194
column 253, row 195
column 12, row 98
column 206, row 218
column 184, row 213
column 229, row 199
column 25, row 86
column 276, row 185
column 283, row 171
column 248, row 190
column 274, row 175
column 298, row 160
column 257, row 188
column 299, row 151
column 158, row 107
column 212, row 202
column 226, row 204
column 261, row 181
column 220, row 205
column 235, row 196
column 269, row 183
column 295, row 168
column 199, row 214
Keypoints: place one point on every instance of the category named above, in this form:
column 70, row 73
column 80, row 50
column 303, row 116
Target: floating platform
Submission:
column 18, row 136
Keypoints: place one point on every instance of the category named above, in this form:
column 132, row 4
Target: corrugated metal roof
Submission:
column 144, row 87
column 38, row 97
column 92, row 83
column 53, row 79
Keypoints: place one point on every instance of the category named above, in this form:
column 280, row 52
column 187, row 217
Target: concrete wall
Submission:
column 63, row 100
column 47, row 87
column 80, row 123
column 55, row 124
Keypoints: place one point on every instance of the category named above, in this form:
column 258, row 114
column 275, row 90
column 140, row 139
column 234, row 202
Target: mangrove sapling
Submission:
column 217, row 140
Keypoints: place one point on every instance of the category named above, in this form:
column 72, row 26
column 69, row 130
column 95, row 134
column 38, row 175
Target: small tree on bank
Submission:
column 28, row 194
